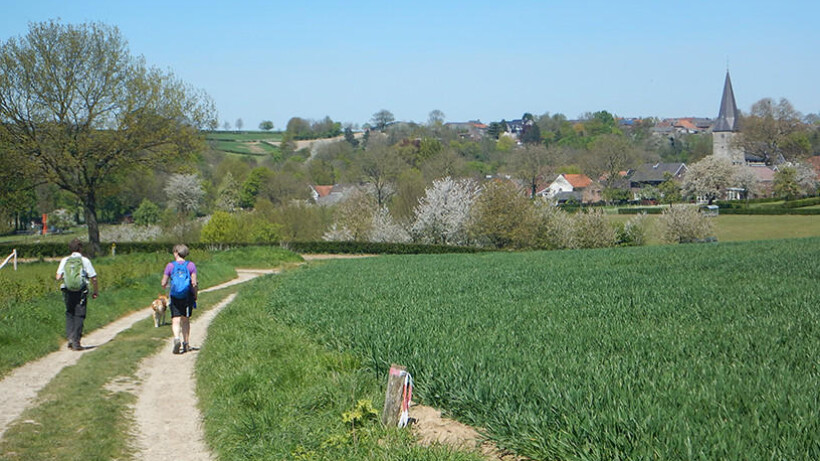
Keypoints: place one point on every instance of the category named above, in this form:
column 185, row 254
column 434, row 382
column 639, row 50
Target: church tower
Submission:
column 726, row 127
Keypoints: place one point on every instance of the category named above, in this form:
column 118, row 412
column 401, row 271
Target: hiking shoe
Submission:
column 176, row 346
column 70, row 345
column 184, row 347
column 77, row 346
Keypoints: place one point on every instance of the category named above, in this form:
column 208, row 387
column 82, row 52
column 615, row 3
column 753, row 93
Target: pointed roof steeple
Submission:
column 728, row 115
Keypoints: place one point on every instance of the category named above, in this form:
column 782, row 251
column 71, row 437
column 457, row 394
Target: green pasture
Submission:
column 735, row 228
column 246, row 148
column 701, row 351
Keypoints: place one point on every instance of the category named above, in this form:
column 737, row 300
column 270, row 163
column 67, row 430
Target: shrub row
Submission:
column 811, row 201
column 347, row 247
column 653, row 210
column 54, row 249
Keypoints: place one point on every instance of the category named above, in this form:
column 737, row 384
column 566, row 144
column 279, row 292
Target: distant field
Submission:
column 275, row 136
column 245, row 147
column 734, row 228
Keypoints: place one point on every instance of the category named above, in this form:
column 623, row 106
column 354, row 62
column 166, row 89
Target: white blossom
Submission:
column 443, row 213
column 386, row 229
column 184, row 192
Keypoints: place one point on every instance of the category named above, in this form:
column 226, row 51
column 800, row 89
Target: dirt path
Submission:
column 19, row 389
column 168, row 422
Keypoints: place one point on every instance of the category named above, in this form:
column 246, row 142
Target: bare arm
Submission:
column 194, row 285
column 164, row 281
column 96, row 287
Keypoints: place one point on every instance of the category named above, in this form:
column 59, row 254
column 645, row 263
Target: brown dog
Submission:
column 159, row 305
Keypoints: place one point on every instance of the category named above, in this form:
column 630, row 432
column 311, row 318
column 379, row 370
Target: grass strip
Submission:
column 268, row 392
column 86, row 413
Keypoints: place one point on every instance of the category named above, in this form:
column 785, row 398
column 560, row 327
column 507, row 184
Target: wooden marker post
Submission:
column 393, row 397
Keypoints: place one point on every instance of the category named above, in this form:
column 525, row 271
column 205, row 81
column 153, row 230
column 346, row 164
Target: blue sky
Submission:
column 487, row 60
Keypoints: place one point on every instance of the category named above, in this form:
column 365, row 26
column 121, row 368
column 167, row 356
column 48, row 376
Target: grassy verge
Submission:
column 32, row 314
column 269, row 392
column 85, row 412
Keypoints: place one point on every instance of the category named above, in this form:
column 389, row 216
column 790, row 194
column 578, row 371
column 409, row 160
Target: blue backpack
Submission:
column 180, row 280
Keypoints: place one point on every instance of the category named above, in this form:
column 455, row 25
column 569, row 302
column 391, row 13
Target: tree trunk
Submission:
column 90, row 211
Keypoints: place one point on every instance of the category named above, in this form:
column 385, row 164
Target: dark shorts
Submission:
column 181, row 307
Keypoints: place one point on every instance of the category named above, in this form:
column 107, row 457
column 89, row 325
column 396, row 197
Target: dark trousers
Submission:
column 75, row 304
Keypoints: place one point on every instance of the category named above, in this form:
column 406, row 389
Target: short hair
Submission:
column 75, row 246
column 181, row 249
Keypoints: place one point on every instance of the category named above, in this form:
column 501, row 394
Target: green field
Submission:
column 246, row 147
column 661, row 352
column 274, row 136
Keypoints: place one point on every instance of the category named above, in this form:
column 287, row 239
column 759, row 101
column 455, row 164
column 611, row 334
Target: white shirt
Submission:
column 88, row 269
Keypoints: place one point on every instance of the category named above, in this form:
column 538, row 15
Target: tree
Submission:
column 531, row 134
column 443, row 214
column 608, row 155
column 221, row 228
column 774, row 129
column 184, row 192
column 380, row 166
column 531, row 163
column 226, row 126
column 499, row 214
column 785, row 183
column 80, row 112
column 351, row 138
column 147, row 213
column 266, row 125
column 252, row 185
column 228, row 194
column 669, row 189
column 239, row 124
column 435, row 118
column 708, row 178
column 382, row 118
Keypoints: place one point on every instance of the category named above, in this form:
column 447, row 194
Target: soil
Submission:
column 165, row 427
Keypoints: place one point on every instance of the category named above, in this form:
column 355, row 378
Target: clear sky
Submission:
column 486, row 60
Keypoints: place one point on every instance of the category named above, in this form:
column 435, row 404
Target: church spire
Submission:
column 728, row 115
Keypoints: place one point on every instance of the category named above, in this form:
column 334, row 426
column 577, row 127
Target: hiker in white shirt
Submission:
column 75, row 274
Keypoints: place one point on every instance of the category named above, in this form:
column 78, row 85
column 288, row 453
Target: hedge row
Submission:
column 51, row 249
column 653, row 210
column 771, row 211
column 376, row 248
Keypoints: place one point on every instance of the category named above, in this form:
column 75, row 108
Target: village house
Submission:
column 572, row 187
column 326, row 195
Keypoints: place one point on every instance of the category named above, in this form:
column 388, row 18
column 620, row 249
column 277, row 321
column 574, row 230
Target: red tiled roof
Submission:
column 578, row 180
column 323, row 191
column 686, row 124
